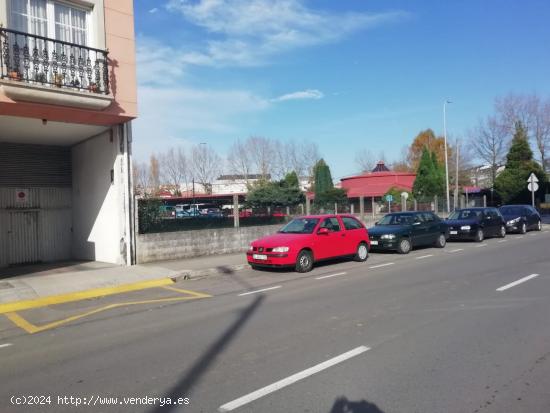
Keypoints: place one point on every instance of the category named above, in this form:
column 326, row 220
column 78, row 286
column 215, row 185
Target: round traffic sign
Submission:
column 533, row 186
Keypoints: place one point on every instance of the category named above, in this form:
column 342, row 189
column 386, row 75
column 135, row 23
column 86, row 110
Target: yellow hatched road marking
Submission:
column 30, row 328
column 81, row 295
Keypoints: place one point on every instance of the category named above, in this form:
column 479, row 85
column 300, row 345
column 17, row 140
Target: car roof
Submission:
column 320, row 216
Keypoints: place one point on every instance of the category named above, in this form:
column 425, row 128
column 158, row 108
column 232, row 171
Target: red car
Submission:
column 309, row 239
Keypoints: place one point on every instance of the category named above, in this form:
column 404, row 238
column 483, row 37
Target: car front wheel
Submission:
column 304, row 262
column 480, row 236
column 362, row 253
column 404, row 246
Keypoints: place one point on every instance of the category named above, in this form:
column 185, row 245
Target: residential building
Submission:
column 67, row 98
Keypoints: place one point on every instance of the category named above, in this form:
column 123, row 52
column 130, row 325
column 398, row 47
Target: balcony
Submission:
column 43, row 70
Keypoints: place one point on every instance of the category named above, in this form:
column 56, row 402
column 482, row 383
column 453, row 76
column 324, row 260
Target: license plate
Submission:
column 454, row 232
column 374, row 243
column 259, row 256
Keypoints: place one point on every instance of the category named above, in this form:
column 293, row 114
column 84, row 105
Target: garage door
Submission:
column 23, row 238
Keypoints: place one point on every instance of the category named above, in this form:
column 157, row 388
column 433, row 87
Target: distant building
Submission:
column 230, row 184
column 480, row 176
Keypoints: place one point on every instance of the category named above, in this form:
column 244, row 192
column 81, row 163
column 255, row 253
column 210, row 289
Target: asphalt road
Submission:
column 439, row 330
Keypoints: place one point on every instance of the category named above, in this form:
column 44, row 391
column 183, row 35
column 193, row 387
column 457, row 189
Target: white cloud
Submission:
column 153, row 10
column 300, row 95
column 171, row 116
column 249, row 32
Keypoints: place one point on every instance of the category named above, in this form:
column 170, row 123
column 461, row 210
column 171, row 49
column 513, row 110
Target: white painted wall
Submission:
column 100, row 213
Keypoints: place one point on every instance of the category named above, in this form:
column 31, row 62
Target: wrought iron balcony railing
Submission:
column 43, row 61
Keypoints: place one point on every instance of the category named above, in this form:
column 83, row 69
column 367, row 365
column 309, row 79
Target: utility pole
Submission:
column 455, row 201
column 446, row 161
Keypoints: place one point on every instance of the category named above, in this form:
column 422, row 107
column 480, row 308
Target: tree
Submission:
column 275, row 193
column 140, row 173
column 206, row 166
column 154, row 174
column 511, row 184
column 488, row 141
column 261, row 154
column 430, row 180
column 396, row 192
column 365, row 160
column 239, row 159
column 174, row 168
column 322, row 177
column 402, row 164
column 427, row 139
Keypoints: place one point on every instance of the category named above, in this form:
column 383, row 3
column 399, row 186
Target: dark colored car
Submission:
column 521, row 218
column 402, row 231
column 476, row 224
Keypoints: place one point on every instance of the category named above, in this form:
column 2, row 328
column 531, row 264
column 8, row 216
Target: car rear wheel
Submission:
column 539, row 226
column 362, row 253
column 502, row 232
column 304, row 262
column 404, row 246
column 523, row 228
column 441, row 241
column 480, row 236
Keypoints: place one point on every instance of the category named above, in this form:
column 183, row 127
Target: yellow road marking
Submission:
column 31, row 328
column 193, row 293
column 81, row 295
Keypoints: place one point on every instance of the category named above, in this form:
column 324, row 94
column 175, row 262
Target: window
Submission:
column 49, row 18
column 351, row 223
column 428, row 217
column 331, row 224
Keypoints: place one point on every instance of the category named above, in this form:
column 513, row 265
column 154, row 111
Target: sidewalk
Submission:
column 42, row 280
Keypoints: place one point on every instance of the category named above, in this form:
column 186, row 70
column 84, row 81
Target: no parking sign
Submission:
column 21, row 196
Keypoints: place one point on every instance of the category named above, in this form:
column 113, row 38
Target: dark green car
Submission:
column 402, row 231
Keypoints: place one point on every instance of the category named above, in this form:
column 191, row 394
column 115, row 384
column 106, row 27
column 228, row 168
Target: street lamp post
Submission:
column 446, row 161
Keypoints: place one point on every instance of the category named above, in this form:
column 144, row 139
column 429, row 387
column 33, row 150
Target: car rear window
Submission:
column 351, row 223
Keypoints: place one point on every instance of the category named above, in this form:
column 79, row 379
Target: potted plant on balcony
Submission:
column 41, row 77
column 92, row 87
column 14, row 75
column 58, row 80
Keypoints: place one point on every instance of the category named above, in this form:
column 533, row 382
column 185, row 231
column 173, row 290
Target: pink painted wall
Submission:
column 120, row 41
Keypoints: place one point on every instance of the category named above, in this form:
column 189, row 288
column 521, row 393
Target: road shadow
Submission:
column 343, row 405
column 191, row 378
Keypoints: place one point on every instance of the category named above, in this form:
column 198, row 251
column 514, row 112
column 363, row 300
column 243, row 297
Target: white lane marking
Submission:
column 457, row 250
column 381, row 265
column 521, row 280
column 331, row 275
column 5, row 345
column 520, row 237
column 481, row 245
column 424, row 256
column 260, row 291
column 502, row 240
column 532, row 234
column 241, row 401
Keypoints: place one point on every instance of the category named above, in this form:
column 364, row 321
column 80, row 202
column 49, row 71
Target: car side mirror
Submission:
column 376, row 223
column 323, row 231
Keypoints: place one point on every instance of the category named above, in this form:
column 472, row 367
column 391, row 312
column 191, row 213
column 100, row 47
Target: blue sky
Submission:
column 346, row 74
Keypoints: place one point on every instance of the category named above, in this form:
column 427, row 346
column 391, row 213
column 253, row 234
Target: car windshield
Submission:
column 465, row 214
column 511, row 211
column 300, row 226
column 396, row 219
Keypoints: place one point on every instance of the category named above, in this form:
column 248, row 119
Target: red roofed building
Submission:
column 376, row 184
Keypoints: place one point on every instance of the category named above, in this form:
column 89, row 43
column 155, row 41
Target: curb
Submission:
column 202, row 273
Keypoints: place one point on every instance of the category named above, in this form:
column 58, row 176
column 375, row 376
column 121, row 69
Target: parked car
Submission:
column 214, row 213
column 167, row 211
column 309, row 239
column 476, row 224
column 402, row 231
column 521, row 218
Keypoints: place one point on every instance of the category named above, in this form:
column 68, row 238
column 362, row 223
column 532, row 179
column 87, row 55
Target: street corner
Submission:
column 46, row 313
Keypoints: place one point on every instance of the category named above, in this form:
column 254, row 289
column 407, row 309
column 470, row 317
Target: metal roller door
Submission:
column 23, row 237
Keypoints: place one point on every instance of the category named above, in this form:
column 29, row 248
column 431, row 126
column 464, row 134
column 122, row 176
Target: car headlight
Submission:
column 250, row 248
column 513, row 221
column 465, row 227
column 388, row 236
column 280, row 249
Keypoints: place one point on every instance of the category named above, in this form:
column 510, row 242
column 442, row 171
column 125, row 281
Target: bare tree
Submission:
column 207, row 165
column 174, row 167
column 239, row 159
column 402, row 164
column 140, row 172
column 154, row 173
column 540, row 129
column 489, row 141
column 261, row 153
column 365, row 160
